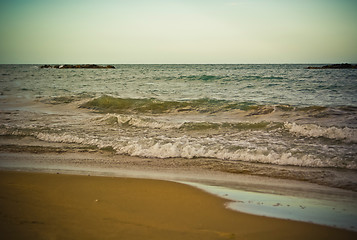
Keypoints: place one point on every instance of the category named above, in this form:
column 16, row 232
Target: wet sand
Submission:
column 58, row 206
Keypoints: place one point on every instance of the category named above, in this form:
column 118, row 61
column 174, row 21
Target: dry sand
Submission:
column 57, row 206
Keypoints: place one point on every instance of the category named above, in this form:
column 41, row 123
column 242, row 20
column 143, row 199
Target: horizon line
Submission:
column 297, row 63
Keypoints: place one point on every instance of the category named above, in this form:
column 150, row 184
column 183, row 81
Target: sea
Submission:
column 271, row 114
column 283, row 121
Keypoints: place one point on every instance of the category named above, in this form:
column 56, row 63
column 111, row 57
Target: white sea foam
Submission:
column 64, row 138
column 140, row 122
column 311, row 130
column 249, row 146
column 70, row 138
column 188, row 148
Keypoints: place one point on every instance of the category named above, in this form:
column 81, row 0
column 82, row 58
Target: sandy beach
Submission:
column 59, row 206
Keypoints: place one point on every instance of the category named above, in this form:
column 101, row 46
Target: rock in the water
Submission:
column 66, row 66
column 335, row 66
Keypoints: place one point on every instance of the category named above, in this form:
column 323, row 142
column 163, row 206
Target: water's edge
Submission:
column 294, row 200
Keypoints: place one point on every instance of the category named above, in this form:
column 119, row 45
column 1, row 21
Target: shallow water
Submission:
column 335, row 213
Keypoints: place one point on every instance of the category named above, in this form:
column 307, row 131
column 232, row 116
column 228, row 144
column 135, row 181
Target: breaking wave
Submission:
column 137, row 121
column 311, row 130
column 155, row 106
column 184, row 147
column 109, row 104
column 217, row 147
column 148, row 122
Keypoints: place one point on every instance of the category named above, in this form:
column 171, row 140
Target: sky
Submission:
column 178, row 31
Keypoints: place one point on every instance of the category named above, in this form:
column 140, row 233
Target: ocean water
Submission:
column 278, row 115
column 335, row 213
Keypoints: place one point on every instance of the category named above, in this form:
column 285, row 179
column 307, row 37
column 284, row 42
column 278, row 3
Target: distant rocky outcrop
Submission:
column 66, row 66
column 335, row 66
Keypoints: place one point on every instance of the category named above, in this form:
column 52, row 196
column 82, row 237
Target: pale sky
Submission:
column 178, row 31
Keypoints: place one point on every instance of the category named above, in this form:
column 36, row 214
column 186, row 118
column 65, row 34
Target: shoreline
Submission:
column 17, row 147
column 106, row 164
column 45, row 205
column 257, row 195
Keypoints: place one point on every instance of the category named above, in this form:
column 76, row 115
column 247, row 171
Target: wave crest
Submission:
column 184, row 148
column 110, row 104
column 311, row 130
column 137, row 121
column 216, row 147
